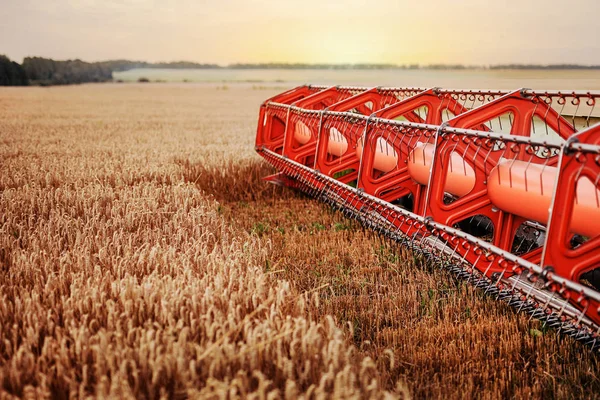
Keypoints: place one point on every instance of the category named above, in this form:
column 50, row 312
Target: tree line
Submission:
column 11, row 73
column 45, row 71
column 408, row 66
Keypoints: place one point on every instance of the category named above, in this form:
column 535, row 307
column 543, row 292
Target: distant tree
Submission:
column 124, row 65
column 11, row 73
column 45, row 71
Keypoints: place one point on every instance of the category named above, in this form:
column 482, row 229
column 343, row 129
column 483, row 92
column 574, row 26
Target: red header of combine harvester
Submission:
column 502, row 187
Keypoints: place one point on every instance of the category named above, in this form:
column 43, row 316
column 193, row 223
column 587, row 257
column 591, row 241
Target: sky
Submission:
column 471, row 32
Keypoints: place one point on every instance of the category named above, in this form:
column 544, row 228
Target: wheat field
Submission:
column 142, row 256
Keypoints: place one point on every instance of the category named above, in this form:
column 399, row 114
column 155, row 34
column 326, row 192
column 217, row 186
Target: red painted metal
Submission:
column 564, row 257
column 351, row 129
column 345, row 133
column 272, row 117
column 429, row 106
column 304, row 121
column 481, row 155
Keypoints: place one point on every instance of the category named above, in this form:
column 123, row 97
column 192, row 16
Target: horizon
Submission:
column 370, row 65
column 349, row 32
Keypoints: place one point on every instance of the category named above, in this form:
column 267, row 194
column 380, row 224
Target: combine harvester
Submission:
column 502, row 188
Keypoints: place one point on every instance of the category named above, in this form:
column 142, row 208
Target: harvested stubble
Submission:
column 141, row 255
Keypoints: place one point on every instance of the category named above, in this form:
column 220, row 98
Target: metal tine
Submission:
column 561, row 312
column 322, row 131
column 382, row 138
column 591, row 102
column 498, row 283
column 401, row 225
column 455, row 98
column 477, row 150
column 390, row 218
column 350, row 136
column 582, row 313
column 423, row 238
column 542, row 174
column 366, row 211
column 343, row 203
column 409, row 138
column 323, row 188
column 358, row 131
column 487, row 156
column 417, row 112
column 451, row 256
column 463, row 97
column 375, row 215
column 341, row 131
column 442, row 98
column 422, row 149
column 481, row 99
column 549, row 102
column 380, row 142
column 329, row 124
column 441, row 250
column 576, row 102
column 464, row 258
column 545, row 307
column 500, row 123
column 456, row 142
column 487, row 270
column 527, row 169
column 514, row 160
column 398, row 228
column 377, row 218
column 560, row 113
column 436, row 238
column 489, row 124
column 472, row 97
column 516, row 281
column 340, row 126
column 393, row 221
column 395, row 143
column 520, row 245
column 528, row 294
column 475, row 267
column 412, row 237
column 386, row 215
column 533, row 114
column 534, row 245
column 500, row 277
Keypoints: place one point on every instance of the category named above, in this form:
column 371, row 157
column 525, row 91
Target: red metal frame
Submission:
column 398, row 183
column 477, row 202
column 304, row 153
column 352, row 130
column 559, row 254
column 322, row 109
column 272, row 118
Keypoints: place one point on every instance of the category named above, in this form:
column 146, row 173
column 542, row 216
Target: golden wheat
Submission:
column 141, row 255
